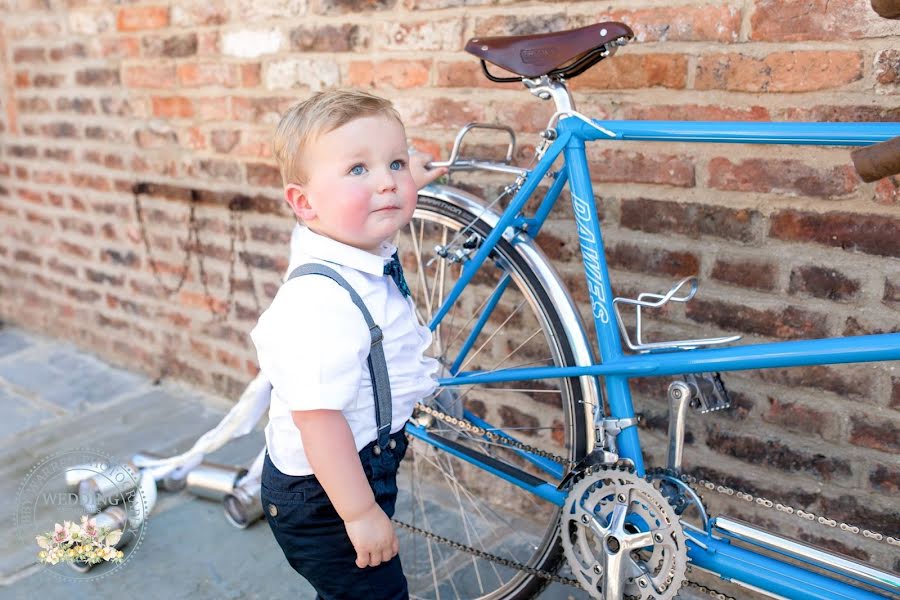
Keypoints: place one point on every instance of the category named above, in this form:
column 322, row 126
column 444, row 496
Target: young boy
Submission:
column 328, row 490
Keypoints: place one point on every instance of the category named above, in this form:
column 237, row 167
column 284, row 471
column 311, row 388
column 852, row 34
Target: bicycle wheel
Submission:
column 448, row 496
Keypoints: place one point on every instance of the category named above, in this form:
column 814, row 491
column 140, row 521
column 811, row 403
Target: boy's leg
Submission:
column 314, row 540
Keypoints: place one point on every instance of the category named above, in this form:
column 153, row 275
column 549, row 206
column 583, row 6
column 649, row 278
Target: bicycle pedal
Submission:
column 709, row 392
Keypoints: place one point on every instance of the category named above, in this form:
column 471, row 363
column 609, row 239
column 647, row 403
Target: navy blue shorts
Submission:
column 312, row 535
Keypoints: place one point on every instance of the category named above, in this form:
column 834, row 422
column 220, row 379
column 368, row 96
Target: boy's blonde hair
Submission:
column 321, row 113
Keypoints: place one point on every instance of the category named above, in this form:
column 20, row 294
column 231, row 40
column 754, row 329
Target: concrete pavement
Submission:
column 55, row 398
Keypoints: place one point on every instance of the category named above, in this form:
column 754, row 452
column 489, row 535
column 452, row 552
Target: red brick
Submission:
column 259, row 110
column 214, row 108
column 221, row 170
column 329, row 7
column 120, row 47
column 635, row 71
column 72, row 50
column 199, row 12
column 264, row 233
column 799, row 418
column 277, row 264
column 95, row 182
column 520, row 24
column 103, row 278
column 776, row 454
column 862, row 326
column 223, row 140
column 822, row 282
column 229, row 360
column 85, row 228
column 654, row 261
column 468, row 74
column 780, row 21
column 885, row 479
column 878, row 435
column 693, row 220
column 850, row 113
column 636, row 167
column 173, row 46
column 73, row 249
column 202, row 301
column 745, row 273
column 777, row 176
column 873, row 234
column 29, row 54
column 786, row 323
column 78, row 105
column 25, row 256
column 82, row 295
column 264, row 175
column 794, row 71
column 228, row 386
column 97, row 77
column 172, row 107
column 887, row 191
column 330, row 38
column 854, row 385
column 251, row 75
column 677, row 24
column 887, row 68
column 524, row 423
column 136, row 18
column 399, row 74
column 694, row 112
column 444, row 34
column 198, row 74
column 149, row 76
column 33, row 105
column 448, row 113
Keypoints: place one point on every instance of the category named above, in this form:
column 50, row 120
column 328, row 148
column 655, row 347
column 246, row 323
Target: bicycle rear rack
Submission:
column 455, row 163
column 651, row 300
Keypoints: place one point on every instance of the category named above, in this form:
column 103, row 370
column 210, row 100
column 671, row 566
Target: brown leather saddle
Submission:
column 561, row 52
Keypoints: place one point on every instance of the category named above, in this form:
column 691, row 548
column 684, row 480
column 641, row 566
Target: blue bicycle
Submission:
column 530, row 398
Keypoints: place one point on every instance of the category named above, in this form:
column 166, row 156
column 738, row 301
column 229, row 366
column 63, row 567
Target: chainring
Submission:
column 621, row 537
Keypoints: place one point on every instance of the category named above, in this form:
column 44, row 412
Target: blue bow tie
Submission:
column 395, row 270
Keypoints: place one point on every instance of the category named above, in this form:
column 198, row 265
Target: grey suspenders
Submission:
column 381, row 385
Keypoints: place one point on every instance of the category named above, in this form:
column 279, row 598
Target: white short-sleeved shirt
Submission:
column 312, row 344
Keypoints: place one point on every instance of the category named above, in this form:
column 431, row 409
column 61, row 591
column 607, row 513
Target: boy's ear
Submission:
column 297, row 199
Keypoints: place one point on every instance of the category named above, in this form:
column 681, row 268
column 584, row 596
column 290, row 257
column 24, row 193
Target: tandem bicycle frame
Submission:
column 705, row 549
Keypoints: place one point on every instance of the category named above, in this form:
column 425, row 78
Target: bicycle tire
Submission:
column 441, row 218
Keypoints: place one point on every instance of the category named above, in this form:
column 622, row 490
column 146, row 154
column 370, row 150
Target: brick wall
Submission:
column 184, row 96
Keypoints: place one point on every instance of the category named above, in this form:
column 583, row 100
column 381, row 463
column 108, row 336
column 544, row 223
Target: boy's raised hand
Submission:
column 421, row 175
column 373, row 537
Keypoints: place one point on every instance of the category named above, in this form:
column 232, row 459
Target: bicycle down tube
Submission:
column 705, row 549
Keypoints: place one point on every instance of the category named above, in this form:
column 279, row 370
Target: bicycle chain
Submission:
column 708, row 590
column 787, row 509
column 505, row 441
column 505, row 562
column 689, row 479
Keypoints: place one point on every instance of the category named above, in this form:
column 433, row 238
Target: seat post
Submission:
column 546, row 88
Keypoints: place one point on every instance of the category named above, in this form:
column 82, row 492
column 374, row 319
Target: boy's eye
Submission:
column 357, row 170
column 398, row 165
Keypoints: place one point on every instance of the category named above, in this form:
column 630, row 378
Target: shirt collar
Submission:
column 306, row 244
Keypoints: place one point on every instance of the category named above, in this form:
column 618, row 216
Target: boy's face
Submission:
column 358, row 188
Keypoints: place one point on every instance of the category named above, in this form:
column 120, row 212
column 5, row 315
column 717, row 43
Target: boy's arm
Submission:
column 330, row 448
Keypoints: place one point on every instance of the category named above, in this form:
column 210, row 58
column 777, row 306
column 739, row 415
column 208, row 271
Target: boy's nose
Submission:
column 387, row 182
